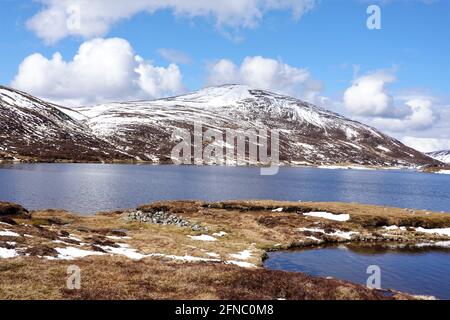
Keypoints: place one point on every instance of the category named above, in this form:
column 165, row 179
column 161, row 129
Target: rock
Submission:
column 8, row 209
column 64, row 234
column 164, row 218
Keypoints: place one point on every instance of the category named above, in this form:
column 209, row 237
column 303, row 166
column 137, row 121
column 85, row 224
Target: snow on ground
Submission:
column 203, row 237
column 278, row 210
column 220, row 234
column 124, row 250
column 243, row 255
column 197, row 259
column 391, row 228
column 72, row 112
column 380, row 147
column 331, row 167
column 442, row 244
column 7, row 253
column 314, row 239
column 440, row 231
column 71, row 237
column 117, row 238
column 443, row 156
column 185, row 258
column 241, row 264
column 343, row 234
column 7, row 233
column 337, row 233
column 444, row 172
column 71, row 253
column 329, row 216
column 213, row 254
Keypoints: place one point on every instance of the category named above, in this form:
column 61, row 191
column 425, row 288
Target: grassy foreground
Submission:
column 123, row 258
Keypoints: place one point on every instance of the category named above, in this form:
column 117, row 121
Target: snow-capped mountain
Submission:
column 142, row 130
column 32, row 128
column 443, row 156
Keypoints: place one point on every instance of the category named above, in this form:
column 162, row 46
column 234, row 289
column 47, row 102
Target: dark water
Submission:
column 88, row 188
column 423, row 272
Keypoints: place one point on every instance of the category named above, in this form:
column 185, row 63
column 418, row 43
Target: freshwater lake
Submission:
column 89, row 188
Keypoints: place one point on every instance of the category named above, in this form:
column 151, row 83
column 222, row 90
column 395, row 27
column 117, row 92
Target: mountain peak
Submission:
column 217, row 95
column 142, row 130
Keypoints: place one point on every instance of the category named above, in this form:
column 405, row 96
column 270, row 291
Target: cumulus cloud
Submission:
column 267, row 74
column 368, row 98
column 158, row 81
column 102, row 70
column 61, row 18
column 421, row 117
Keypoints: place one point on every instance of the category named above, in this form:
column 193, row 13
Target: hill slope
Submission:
column 443, row 156
column 32, row 128
column 142, row 130
column 308, row 134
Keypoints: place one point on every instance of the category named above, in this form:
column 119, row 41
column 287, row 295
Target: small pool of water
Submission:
column 421, row 271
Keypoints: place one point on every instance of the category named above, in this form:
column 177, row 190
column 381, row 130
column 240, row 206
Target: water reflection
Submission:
column 408, row 268
column 88, row 188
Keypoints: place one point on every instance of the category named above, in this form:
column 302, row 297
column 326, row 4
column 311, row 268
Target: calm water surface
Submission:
column 88, row 188
column 423, row 272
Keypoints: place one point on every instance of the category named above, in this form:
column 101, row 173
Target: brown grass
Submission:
column 120, row 278
column 250, row 225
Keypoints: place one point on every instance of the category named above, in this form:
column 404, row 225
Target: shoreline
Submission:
column 214, row 238
column 337, row 166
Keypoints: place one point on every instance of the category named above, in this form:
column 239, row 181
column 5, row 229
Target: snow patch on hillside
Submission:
column 329, row 216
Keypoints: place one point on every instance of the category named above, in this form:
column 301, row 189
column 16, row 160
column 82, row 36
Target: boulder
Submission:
column 13, row 210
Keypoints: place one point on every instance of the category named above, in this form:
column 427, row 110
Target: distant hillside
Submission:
column 141, row 131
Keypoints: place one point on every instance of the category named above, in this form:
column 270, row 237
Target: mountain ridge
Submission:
column 141, row 130
column 442, row 155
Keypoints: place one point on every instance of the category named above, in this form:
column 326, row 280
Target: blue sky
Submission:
column 330, row 41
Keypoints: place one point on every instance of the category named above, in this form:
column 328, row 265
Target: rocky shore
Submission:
column 196, row 250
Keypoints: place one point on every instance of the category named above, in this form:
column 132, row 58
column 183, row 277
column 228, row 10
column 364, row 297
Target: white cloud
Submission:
column 369, row 100
column 267, row 74
column 223, row 71
column 102, row 70
column 427, row 144
column 367, row 96
column 422, row 117
column 174, row 56
column 159, row 81
column 86, row 18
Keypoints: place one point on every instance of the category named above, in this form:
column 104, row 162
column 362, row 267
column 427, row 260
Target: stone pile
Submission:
column 164, row 218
